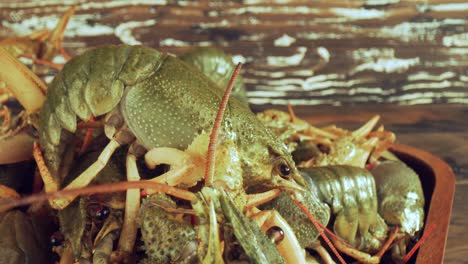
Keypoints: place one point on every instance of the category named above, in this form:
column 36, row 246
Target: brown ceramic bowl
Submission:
column 438, row 182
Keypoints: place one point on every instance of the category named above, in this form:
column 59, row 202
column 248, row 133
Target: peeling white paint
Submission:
column 81, row 4
column 268, row 9
column 423, row 31
column 305, row 73
column 173, row 42
column 433, row 85
column 275, row 74
column 285, row 88
column 285, row 81
column 222, row 23
column 381, row 2
column 415, row 97
column 77, row 26
column 449, row 7
column 323, row 53
column 325, row 77
column 457, row 100
column 388, row 65
column 359, row 14
column 458, row 40
column 283, row 61
column 425, row 76
column 253, row 2
column 36, row 3
column 381, row 60
column 277, row 101
column 284, row 41
column 253, row 37
column 266, row 94
column 310, row 86
column 120, row 3
column 124, row 30
column 417, row 101
column 368, row 54
column 170, row 42
column 463, row 78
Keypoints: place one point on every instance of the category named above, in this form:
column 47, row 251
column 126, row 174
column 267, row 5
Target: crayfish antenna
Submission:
column 47, row 63
column 419, row 243
column 387, row 244
column 7, row 204
column 50, row 184
column 292, row 115
column 318, row 226
column 210, row 159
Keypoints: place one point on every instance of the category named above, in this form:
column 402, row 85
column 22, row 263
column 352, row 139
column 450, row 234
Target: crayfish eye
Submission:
column 283, row 169
column 102, row 213
column 276, row 234
column 56, row 239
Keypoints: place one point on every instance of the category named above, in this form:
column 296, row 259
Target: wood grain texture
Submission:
column 405, row 60
column 302, row 52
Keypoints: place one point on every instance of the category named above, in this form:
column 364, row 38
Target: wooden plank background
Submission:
column 405, row 60
column 302, row 52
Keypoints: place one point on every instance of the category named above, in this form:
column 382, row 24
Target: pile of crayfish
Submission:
column 142, row 156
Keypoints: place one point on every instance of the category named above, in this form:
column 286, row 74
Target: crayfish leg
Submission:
column 50, row 184
column 110, row 225
column 88, row 175
column 254, row 200
column 324, row 254
column 364, row 130
column 103, row 249
column 7, row 192
column 186, row 168
column 121, row 137
column 129, row 230
column 54, row 41
column 360, row 256
column 214, row 251
column 28, row 89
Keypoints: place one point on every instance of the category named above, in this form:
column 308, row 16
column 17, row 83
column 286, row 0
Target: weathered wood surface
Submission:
column 341, row 53
column 303, row 52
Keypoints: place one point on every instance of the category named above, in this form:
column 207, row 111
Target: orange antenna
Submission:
column 43, row 62
column 420, row 242
column 210, row 158
column 7, row 204
column 87, row 138
column 292, row 115
column 389, row 241
column 318, row 225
